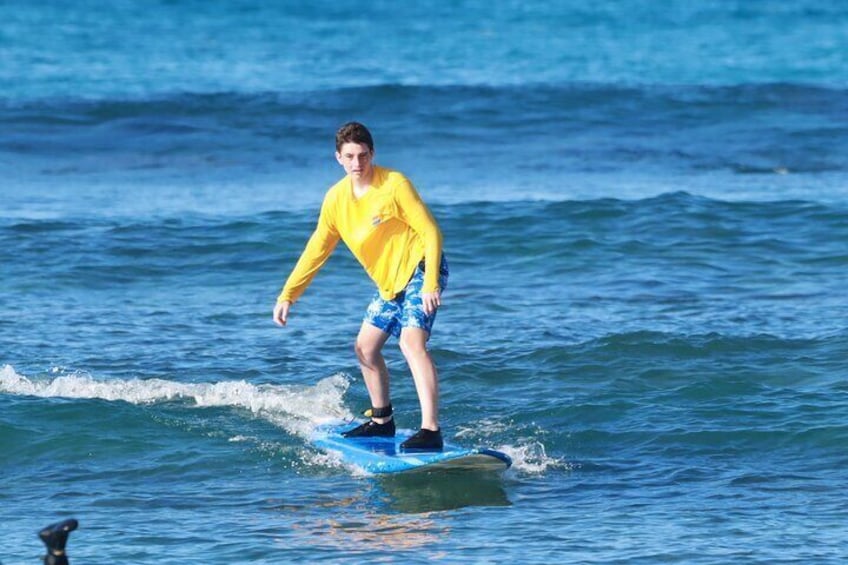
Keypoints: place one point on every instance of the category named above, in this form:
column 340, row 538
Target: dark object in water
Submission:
column 55, row 536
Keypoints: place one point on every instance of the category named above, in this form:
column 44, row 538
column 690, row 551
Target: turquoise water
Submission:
column 646, row 216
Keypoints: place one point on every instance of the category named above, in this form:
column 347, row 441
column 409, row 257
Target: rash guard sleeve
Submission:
column 416, row 214
column 318, row 249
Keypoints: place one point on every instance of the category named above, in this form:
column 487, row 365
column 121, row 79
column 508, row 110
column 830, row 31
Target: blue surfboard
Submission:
column 381, row 455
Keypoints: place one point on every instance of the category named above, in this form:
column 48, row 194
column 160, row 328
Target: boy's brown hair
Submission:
column 354, row 132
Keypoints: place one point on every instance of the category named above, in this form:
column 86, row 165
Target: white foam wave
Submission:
column 531, row 458
column 528, row 454
column 297, row 408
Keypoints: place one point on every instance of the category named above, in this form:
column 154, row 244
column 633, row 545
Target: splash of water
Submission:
column 296, row 408
column 528, row 453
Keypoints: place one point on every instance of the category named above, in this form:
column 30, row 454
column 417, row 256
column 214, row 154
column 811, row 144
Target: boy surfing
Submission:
column 381, row 218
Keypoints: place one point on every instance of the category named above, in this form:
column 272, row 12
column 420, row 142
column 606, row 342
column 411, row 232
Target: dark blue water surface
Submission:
column 645, row 211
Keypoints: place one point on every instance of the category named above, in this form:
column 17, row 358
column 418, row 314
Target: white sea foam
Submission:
column 530, row 457
column 296, row 408
column 528, row 454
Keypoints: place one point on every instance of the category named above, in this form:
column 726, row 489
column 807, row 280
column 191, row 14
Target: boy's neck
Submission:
column 362, row 185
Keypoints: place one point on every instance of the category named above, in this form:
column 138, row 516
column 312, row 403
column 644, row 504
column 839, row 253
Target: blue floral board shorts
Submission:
column 406, row 309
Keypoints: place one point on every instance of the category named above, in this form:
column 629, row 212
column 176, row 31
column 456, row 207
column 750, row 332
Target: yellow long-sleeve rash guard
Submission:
column 389, row 230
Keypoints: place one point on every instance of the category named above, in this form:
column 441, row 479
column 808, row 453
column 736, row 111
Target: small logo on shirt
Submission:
column 376, row 220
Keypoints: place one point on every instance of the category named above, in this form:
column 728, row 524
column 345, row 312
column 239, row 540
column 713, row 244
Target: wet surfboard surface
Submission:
column 381, row 455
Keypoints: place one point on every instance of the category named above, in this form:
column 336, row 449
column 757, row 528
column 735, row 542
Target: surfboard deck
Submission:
column 383, row 455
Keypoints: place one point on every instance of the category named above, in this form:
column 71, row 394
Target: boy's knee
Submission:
column 366, row 352
column 412, row 347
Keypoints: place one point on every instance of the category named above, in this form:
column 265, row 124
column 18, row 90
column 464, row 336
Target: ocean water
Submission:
column 645, row 210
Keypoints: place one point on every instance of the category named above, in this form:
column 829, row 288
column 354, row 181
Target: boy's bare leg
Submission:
column 413, row 344
column 369, row 346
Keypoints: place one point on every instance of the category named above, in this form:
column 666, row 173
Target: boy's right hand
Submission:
column 281, row 312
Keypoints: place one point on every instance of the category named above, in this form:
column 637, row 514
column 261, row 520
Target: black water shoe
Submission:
column 424, row 440
column 373, row 429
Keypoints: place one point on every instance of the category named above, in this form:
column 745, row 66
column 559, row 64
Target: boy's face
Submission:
column 356, row 160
